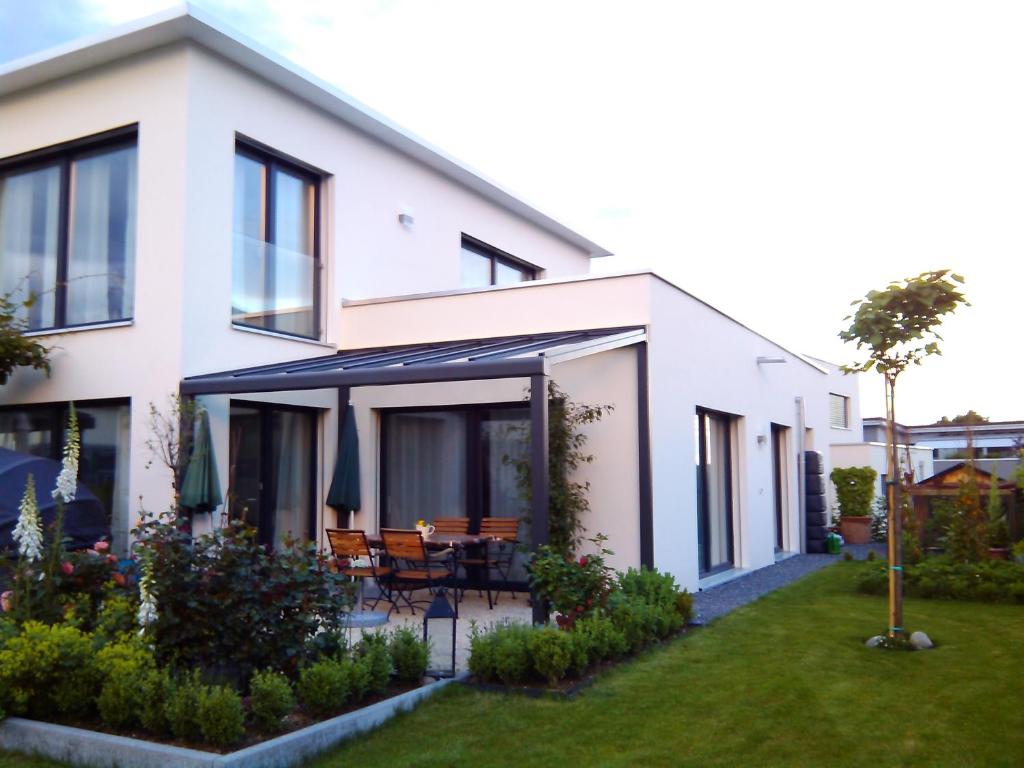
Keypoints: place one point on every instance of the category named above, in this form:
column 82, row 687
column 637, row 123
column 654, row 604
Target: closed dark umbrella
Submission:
column 200, row 490
column 85, row 519
column 344, row 492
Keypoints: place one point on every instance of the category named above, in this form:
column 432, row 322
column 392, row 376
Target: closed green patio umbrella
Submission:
column 344, row 493
column 200, row 490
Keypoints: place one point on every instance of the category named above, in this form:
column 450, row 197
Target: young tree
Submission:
column 16, row 349
column 897, row 328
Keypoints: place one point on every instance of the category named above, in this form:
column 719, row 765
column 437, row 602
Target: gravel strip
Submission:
column 717, row 601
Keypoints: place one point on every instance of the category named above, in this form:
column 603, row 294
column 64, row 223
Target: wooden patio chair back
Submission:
column 404, row 545
column 504, row 528
column 348, row 543
column 457, row 525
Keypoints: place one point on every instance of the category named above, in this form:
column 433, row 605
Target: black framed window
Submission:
column 272, row 470
column 68, row 230
column 275, row 281
column 105, row 428
column 484, row 265
column 713, row 458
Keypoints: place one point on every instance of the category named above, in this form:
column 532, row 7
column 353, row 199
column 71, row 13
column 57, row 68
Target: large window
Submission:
column 713, row 433
column 484, row 265
column 838, row 411
column 276, row 263
column 272, row 470
column 67, row 231
column 103, row 465
column 452, row 463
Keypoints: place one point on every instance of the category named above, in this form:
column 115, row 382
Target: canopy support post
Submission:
column 539, row 477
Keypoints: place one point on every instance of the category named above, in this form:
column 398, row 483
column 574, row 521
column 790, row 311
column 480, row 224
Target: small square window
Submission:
column 838, row 411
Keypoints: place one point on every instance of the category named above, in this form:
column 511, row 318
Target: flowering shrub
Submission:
column 227, row 604
column 573, row 588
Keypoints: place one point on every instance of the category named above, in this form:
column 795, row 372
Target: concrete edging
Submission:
column 92, row 749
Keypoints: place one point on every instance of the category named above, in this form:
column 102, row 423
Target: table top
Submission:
column 442, row 540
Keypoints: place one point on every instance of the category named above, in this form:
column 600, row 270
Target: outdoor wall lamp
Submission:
column 406, row 219
column 764, row 360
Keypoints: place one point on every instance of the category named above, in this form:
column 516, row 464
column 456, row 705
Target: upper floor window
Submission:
column 67, row 231
column 276, row 262
column 484, row 265
column 838, row 411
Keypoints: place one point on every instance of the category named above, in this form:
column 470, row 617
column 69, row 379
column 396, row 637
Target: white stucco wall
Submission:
column 189, row 104
column 700, row 358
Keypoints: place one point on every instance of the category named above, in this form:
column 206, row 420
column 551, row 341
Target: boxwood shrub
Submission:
column 989, row 581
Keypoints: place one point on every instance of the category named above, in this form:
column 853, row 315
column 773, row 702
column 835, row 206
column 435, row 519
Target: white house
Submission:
column 200, row 216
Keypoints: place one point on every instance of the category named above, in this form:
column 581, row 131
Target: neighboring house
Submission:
column 996, row 444
column 201, row 216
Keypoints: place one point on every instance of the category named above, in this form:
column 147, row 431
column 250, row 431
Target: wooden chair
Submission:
column 412, row 567
column 456, row 525
column 497, row 553
column 351, row 544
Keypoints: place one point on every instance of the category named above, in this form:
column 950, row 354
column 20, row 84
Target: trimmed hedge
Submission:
column 987, row 581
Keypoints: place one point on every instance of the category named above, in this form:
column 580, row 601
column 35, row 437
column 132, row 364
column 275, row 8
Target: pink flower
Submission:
column 5, row 600
column 112, row 559
column 101, row 546
column 119, row 579
column 583, row 562
column 67, row 567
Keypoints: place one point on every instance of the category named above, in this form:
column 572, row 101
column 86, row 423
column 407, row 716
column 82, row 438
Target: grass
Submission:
column 785, row 681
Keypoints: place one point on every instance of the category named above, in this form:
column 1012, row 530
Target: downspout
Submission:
column 801, row 472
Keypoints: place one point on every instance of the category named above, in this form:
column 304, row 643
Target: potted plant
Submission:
column 855, row 490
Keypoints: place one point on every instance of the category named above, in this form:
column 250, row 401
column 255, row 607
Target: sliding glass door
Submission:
column 714, row 491
column 272, row 470
column 453, row 462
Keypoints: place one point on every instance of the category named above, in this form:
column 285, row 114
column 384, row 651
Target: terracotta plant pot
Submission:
column 856, row 530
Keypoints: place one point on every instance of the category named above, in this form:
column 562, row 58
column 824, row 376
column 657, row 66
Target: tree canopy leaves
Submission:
column 897, row 325
column 16, row 349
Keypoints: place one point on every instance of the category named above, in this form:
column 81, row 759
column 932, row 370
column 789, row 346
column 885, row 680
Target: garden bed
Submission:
column 78, row 746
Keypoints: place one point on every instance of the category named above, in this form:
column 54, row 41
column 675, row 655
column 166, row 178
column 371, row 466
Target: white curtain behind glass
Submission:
column 292, row 464
column 426, row 467
column 717, row 490
column 101, row 248
column 28, row 240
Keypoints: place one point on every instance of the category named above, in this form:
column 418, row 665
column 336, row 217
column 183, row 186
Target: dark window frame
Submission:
column 498, row 256
column 266, row 529
column 272, row 159
column 846, row 411
column 703, row 511
column 62, row 155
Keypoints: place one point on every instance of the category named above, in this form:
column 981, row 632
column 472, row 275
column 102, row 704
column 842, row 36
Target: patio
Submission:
column 472, row 609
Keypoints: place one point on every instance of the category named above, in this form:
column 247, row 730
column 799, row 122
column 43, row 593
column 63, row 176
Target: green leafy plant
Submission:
column 221, row 716
column 270, row 699
column 409, row 654
column 575, row 588
column 126, row 667
column 967, row 537
column 374, row 649
column 48, row 671
column 998, row 532
column 897, row 328
column 990, row 581
column 16, row 349
column 227, row 604
column 551, row 652
column 323, row 687
column 184, row 697
column 855, row 490
column 567, row 497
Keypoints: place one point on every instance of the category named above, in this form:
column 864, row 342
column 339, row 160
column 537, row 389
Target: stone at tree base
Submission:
column 919, row 641
column 874, row 642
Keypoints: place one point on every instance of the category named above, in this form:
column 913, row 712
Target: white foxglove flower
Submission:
column 147, row 600
column 67, row 480
column 29, row 530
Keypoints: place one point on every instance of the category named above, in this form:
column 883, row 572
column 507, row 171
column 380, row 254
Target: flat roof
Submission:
column 188, row 23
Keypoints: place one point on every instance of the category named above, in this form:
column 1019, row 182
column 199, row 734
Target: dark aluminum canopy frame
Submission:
column 468, row 360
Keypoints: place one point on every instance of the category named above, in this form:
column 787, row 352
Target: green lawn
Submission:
column 785, row 681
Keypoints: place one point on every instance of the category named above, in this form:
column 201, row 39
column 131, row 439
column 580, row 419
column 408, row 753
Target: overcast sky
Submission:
column 776, row 159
